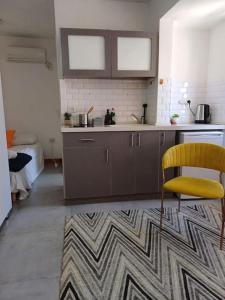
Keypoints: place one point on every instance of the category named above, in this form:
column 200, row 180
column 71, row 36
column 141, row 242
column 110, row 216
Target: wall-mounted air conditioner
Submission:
column 28, row 55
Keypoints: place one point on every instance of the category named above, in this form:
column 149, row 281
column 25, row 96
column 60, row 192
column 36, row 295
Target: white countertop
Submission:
column 141, row 127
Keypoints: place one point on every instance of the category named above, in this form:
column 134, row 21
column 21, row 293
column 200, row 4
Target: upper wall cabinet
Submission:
column 85, row 53
column 134, row 54
column 90, row 53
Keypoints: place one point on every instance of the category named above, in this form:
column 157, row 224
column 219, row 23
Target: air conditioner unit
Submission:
column 28, row 55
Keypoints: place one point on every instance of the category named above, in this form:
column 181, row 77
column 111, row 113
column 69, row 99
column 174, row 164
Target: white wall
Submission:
column 197, row 45
column 102, row 14
column 216, row 73
column 216, row 69
column 31, row 95
column 183, row 56
column 117, row 15
column 157, row 20
column 5, row 195
column 190, row 54
column 157, row 9
column 98, row 14
column 125, row 96
column 189, row 64
column 198, row 58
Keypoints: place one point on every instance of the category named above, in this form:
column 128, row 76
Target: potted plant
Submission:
column 67, row 119
column 173, row 119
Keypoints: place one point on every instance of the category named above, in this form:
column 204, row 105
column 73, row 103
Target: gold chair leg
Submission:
column 222, row 225
column 161, row 212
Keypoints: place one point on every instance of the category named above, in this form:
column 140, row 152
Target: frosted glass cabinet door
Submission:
column 133, row 54
column 85, row 53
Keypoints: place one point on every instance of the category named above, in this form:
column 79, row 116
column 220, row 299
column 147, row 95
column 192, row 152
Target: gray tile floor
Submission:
column 31, row 241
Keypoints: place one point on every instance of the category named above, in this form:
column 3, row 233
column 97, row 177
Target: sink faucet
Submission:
column 139, row 120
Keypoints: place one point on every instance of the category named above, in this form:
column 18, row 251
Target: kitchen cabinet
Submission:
column 134, row 54
column 123, row 164
column 93, row 53
column 85, row 53
column 87, row 166
column 114, row 163
column 167, row 140
column 135, row 162
column 147, row 155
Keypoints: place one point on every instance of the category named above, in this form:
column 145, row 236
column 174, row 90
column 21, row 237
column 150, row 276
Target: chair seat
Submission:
column 199, row 187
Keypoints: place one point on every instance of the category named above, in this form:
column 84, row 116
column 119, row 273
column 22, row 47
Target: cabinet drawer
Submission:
column 85, row 139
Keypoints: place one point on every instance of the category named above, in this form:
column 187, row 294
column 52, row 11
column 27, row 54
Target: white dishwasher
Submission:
column 211, row 137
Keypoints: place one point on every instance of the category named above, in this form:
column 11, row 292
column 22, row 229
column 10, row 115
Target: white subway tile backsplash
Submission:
column 171, row 100
column 172, row 97
column 216, row 99
column 126, row 96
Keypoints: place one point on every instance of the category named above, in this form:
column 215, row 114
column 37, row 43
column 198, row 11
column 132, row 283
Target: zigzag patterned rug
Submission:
column 122, row 255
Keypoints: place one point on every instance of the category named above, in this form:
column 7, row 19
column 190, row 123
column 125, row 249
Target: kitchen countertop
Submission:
column 142, row 127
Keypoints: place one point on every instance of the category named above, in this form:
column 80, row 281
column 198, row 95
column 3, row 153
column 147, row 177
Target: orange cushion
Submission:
column 9, row 136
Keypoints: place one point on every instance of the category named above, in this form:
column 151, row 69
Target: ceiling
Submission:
column 35, row 18
column 198, row 13
column 29, row 18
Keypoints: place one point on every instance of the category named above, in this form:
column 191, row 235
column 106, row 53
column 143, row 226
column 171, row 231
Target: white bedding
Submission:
column 22, row 181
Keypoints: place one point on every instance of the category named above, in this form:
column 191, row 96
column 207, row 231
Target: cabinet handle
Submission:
column 107, row 156
column 163, row 138
column 132, row 139
column 139, row 140
column 87, row 140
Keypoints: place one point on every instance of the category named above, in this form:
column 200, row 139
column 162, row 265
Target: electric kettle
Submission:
column 203, row 115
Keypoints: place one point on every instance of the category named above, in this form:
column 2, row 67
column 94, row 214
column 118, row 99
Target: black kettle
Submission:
column 203, row 115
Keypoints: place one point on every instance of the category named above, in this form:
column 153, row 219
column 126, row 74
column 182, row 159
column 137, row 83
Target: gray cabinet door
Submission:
column 147, row 155
column 122, row 157
column 134, row 54
column 167, row 140
column 87, row 171
column 86, row 53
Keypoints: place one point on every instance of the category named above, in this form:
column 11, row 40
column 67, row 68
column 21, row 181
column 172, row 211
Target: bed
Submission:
column 22, row 181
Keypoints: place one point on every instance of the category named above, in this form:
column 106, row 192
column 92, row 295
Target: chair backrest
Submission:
column 201, row 155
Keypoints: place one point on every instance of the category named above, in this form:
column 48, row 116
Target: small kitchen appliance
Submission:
column 203, row 115
column 83, row 120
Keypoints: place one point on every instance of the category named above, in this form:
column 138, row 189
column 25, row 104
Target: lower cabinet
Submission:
column 113, row 164
column 123, row 163
column 147, row 155
column 87, row 172
column 167, row 140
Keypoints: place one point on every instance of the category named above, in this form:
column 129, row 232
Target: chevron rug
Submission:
column 123, row 255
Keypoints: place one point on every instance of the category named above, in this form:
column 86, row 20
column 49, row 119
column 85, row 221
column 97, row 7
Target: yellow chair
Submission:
column 199, row 155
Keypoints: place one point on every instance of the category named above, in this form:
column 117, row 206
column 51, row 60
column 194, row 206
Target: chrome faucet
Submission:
column 139, row 120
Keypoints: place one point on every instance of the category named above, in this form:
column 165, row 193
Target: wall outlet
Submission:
column 52, row 140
